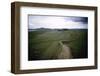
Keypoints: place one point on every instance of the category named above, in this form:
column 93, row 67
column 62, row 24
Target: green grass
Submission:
column 44, row 45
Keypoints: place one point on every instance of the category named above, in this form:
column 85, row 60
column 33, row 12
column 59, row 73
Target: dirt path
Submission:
column 65, row 53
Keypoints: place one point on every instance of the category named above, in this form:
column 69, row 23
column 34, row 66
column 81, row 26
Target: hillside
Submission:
column 44, row 44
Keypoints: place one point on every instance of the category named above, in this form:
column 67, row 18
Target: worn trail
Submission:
column 65, row 53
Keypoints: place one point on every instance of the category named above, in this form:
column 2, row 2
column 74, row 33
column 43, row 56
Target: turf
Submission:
column 44, row 44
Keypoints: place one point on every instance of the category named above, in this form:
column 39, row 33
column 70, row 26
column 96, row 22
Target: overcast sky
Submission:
column 57, row 22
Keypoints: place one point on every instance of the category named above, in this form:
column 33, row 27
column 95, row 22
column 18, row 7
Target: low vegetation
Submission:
column 44, row 44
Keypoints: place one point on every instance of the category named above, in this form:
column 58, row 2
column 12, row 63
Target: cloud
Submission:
column 56, row 22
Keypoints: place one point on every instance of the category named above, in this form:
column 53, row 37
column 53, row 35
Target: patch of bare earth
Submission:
column 65, row 53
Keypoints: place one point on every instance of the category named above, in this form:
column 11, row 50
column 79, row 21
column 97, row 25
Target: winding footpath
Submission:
column 65, row 53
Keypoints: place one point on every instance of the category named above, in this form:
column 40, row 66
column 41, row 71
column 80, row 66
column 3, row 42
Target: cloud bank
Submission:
column 56, row 22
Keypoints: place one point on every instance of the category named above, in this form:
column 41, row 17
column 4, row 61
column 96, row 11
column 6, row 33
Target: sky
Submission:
column 57, row 22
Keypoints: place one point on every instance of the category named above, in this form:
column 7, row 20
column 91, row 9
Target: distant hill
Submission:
column 48, row 29
column 40, row 29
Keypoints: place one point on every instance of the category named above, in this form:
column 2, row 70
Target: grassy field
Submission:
column 44, row 44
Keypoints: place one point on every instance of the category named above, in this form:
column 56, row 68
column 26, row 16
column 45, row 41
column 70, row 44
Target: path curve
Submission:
column 65, row 53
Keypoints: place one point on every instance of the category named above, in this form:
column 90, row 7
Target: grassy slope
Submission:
column 45, row 44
